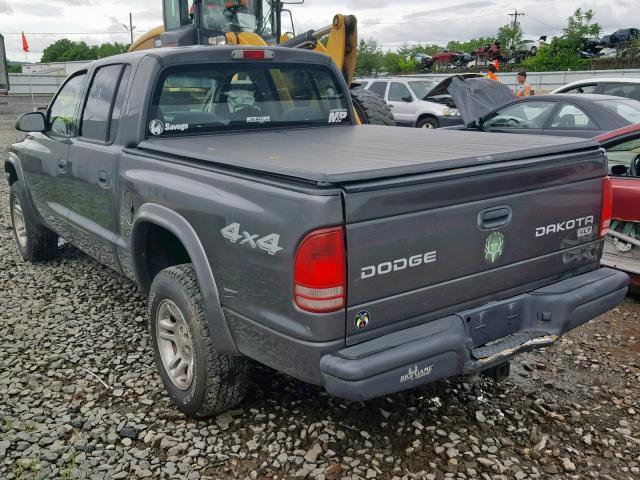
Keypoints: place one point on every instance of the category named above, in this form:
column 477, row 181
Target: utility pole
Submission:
column 515, row 16
column 130, row 28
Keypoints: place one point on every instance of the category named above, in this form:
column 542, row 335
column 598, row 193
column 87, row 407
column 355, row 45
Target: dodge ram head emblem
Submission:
column 362, row 320
column 156, row 127
column 494, row 246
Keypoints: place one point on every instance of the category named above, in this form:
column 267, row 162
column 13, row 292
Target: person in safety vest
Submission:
column 523, row 89
column 491, row 74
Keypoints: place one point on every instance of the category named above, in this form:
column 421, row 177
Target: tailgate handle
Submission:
column 494, row 218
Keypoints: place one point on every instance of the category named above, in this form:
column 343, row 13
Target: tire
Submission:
column 371, row 108
column 428, row 122
column 35, row 242
column 205, row 382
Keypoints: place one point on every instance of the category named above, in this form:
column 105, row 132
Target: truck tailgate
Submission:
column 426, row 246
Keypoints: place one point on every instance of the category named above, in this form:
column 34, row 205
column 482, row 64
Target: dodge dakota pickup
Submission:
column 235, row 187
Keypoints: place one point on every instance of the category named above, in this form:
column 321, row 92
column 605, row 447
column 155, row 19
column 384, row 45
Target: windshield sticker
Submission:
column 258, row 119
column 338, row 116
column 157, row 127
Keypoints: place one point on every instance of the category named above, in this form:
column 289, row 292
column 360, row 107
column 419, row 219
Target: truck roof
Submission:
column 334, row 155
column 208, row 54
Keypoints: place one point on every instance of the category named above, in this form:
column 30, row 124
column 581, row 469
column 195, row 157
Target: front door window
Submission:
column 63, row 109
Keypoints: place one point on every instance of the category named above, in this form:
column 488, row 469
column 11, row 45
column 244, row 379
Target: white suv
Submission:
column 416, row 101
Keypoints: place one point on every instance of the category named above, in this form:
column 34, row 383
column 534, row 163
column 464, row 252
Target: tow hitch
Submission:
column 499, row 372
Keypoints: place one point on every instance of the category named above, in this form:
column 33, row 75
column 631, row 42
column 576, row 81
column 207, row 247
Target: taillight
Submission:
column 319, row 276
column 607, row 206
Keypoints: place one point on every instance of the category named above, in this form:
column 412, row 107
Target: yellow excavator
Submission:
column 259, row 23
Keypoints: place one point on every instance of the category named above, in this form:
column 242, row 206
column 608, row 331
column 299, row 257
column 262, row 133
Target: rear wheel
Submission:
column 200, row 381
column 35, row 242
column 371, row 108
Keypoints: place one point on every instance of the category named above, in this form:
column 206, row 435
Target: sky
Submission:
column 392, row 23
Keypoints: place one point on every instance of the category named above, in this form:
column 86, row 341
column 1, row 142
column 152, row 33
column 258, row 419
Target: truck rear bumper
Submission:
column 470, row 341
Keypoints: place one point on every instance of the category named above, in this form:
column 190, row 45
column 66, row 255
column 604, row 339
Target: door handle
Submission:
column 494, row 217
column 62, row 165
column 104, row 179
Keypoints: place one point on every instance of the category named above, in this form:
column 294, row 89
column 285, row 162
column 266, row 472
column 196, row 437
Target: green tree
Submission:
column 66, row 50
column 563, row 53
column 510, row 35
column 581, row 25
column 469, row 46
column 370, row 57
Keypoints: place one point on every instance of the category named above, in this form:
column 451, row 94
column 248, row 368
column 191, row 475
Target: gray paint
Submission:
column 396, row 192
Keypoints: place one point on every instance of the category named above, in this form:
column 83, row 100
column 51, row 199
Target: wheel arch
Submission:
column 152, row 216
column 12, row 169
column 430, row 115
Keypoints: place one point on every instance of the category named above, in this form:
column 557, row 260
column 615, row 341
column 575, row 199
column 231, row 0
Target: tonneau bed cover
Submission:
column 336, row 155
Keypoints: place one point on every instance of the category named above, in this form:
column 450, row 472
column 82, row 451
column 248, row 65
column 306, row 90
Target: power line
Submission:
column 427, row 21
column 545, row 23
column 68, row 33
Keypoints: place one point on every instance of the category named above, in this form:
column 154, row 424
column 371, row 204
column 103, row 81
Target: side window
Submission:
column 626, row 90
column 117, row 106
column 589, row 88
column 63, row 109
column 398, row 91
column 379, row 87
column 176, row 14
column 571, row 117
column 97, row 110
column 521, row 115
column 624, row 158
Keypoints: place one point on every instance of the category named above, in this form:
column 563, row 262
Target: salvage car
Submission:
column 417, row 101
column 622, row 246
column 264, row 223
column 573, row 115
column 627, row 87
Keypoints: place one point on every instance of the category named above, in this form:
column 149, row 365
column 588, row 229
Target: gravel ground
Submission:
column 80, row 398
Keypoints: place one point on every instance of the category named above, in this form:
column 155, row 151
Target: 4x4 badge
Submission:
column 494, row 246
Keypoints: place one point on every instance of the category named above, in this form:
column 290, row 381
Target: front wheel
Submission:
column 371, row 108
column 200, row 381
column 35, row 242
column 427, row 122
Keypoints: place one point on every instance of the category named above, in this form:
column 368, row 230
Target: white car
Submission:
column 416, row 101
column 627, row 87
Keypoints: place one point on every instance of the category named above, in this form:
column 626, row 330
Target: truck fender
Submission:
column 182, row 229
column 12, row 162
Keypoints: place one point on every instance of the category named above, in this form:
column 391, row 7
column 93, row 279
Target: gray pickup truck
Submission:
column 235, row 186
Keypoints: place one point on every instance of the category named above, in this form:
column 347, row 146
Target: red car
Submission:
column 622, row 246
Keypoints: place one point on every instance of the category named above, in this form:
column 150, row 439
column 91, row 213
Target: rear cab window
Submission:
column 101, row 113
column 200, row 99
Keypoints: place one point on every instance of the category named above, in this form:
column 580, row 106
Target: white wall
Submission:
column 545, row 82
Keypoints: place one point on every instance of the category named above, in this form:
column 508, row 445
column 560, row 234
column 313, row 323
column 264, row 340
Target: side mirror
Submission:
column 620, row 170
column 32, row 122
column 407, row 99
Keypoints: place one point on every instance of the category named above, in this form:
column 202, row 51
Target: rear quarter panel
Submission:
column 250, row 280
column 626, row 199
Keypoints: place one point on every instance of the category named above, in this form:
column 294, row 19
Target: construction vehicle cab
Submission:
column 208, row 22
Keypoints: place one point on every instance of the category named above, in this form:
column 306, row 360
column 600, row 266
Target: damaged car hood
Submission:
column 477, row 97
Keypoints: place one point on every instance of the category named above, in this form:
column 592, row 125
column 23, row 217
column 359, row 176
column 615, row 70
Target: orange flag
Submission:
column 25, row 45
